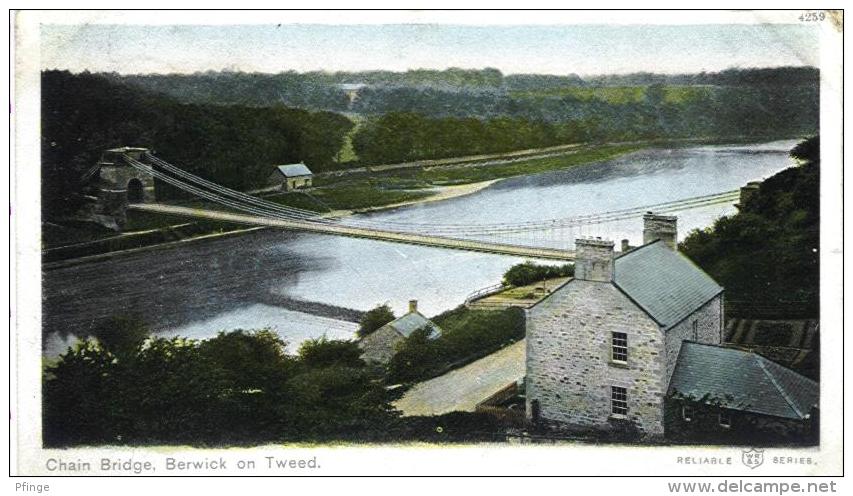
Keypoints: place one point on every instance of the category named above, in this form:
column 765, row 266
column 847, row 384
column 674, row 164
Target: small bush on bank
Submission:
column 530, row 272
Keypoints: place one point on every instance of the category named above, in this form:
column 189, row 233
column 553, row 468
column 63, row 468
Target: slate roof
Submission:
column 663, row 282
column 411, row 322
column 742, row 380
column 294, row 170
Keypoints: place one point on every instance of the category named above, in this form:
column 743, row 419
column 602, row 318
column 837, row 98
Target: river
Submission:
column 259, row 279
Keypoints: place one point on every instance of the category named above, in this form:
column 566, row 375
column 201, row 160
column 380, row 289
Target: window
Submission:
column 687, row 413
column 725, row 419
column 695, row 330
column 618, row 400
column 619, row 347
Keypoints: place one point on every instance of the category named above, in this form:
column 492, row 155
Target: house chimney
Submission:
column 626, row 245
column 594, row 259
column 413, row 306
column 660, row 227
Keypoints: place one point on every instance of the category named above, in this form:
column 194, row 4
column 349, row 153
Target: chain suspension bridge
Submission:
column 541, row 239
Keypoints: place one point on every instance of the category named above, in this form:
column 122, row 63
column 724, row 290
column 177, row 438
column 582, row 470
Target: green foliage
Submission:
column 322, row 352
column 406, row 136
column 85, row 114
column 238, row 387
column 467, row 335
column 121, row 335
column 530, row 272
column 375, row 318
column 766, row 255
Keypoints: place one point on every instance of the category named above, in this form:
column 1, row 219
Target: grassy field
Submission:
column 620, row 95
column 472, row 174
column 348, row 196
column 347, row 153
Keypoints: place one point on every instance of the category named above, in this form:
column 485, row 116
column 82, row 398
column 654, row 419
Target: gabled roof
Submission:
column 742, row 380
column 663, row 282
column 411, row 322
column 293, row 170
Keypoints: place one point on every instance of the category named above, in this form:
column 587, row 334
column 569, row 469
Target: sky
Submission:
column 564, row 49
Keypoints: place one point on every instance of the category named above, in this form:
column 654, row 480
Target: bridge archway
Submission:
column 135, row 191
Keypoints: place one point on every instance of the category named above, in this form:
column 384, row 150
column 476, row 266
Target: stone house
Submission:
column 602, row 349
column 291, row 177
column 380, row 345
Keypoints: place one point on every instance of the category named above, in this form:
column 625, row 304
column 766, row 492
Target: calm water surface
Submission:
column 260, row 279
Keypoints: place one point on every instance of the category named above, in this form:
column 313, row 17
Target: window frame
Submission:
column 695, row 330
column 685, row 416
column 618, row 401
column 728, row 415
column 620, row 347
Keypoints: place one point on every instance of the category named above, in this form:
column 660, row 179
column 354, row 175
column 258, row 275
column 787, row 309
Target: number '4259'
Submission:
column 812, row 16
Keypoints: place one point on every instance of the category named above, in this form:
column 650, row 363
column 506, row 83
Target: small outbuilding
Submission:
column 720, row 393
column 380, row 345
column 291, row 177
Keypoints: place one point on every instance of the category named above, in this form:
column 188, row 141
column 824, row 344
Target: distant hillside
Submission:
column 323, row 90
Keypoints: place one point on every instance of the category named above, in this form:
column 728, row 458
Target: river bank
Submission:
column 251, row 280
column 52, row 259
column 433, row 184
column 386, row 188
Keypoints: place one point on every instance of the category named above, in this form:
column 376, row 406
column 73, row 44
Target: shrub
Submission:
column 239, row 387
column 374, row 319
column 530, row 272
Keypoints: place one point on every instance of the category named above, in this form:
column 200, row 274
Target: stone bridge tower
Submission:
column 118, row 184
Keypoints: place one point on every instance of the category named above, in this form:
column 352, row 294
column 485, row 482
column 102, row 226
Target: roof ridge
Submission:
column 760, row 361
column 635, row 249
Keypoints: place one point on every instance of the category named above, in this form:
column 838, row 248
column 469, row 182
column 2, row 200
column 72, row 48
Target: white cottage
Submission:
column 291, row 177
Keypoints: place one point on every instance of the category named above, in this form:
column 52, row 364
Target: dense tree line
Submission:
column 435, row 125
column 126, row 387
column 82, row 115
column 400, row 137
column 767, row 255
column 237, row 387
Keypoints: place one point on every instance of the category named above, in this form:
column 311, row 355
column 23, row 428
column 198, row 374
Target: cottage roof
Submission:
column 742, row 380
column 294, row 170
column 411, row 322
column 663, row 282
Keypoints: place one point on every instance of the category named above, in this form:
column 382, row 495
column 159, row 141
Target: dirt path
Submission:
column 461, row 389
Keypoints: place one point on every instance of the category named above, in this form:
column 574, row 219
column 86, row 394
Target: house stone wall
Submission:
column 380, row 345
column 569, row 370
column 709, row 330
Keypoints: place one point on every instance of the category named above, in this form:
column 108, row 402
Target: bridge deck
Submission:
column 360, row 232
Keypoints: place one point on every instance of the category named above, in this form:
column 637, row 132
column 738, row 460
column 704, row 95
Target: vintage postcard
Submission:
column 427, row 243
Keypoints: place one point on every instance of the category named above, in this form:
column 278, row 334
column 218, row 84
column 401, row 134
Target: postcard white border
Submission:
column 415, row 459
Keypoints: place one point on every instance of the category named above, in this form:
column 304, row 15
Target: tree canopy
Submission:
column 767, row 255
